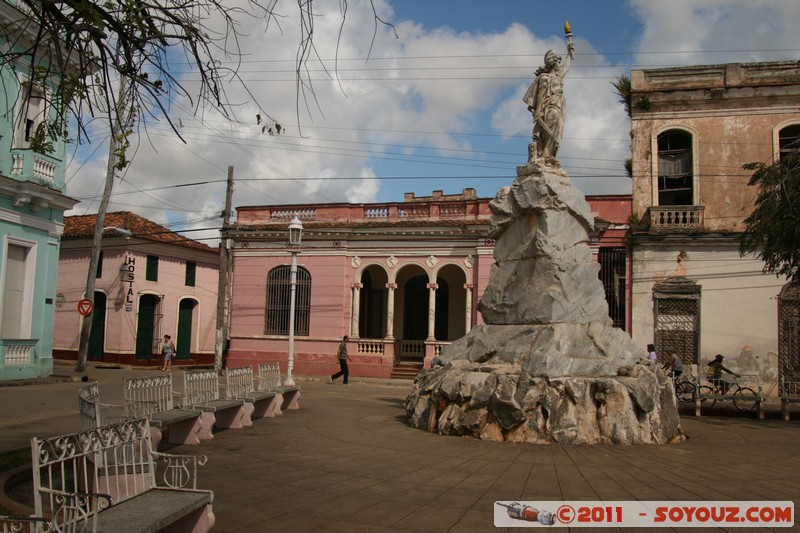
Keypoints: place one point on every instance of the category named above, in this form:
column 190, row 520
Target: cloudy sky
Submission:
column 433, row 103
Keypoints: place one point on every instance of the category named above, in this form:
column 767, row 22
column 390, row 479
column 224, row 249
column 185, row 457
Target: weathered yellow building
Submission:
column 692, row 130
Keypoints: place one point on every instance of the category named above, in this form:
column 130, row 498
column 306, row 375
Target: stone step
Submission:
column 406, row 370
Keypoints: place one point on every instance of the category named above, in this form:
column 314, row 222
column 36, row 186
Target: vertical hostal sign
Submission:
column 129, row 268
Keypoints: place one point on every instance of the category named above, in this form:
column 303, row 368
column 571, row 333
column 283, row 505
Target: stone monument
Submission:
column 547, row 365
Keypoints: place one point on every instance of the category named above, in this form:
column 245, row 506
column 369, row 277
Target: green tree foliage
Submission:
column 772, row 231
column 622, row 86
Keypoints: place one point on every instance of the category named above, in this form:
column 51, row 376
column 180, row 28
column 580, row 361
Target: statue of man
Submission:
column 545, row 99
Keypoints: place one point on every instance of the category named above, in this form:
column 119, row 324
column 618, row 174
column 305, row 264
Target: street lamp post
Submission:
column 295, row 238
column 86, row 325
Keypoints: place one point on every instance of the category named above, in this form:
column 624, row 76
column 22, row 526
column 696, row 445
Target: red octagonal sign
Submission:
column 85, row 307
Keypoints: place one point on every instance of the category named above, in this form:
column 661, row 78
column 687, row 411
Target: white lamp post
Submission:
column 295, row 238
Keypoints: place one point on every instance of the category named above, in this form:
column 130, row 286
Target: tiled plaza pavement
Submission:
column 347, row 461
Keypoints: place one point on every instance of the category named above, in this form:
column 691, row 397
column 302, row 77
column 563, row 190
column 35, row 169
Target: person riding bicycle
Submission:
column 714, row 373
column 674, row 366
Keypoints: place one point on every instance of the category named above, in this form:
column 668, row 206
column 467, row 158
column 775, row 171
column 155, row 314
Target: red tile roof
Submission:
column 82, row 227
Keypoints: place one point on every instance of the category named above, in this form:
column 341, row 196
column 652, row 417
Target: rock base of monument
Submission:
column 523, row 384
column 474, row 401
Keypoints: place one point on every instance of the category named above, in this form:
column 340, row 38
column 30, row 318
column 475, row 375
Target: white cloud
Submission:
column 392, row 107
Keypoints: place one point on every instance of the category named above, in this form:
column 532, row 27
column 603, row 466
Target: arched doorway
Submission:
column 415, row 309
column 185, row 327
column 452, row 303
column 372, row 304
column 416, row 300
column 97, row 338
column 146, row 326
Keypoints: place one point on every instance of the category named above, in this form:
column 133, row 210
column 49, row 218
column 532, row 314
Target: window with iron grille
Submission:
column 613, row 275
column 279, row 290
column 677, row 319
column 789, row 331
column 675, row 162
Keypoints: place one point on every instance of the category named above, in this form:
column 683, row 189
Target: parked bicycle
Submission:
column 728, row 389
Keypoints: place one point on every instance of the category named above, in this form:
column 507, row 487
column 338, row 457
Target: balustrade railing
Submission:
column 452, row 210
column 17, row 352
column 414, row 211
column 306, row 213
column 26, row 164
column 676, row 218
column 370, row 347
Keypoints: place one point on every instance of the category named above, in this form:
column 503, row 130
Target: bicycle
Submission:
column 743, row 397
column 685, row 387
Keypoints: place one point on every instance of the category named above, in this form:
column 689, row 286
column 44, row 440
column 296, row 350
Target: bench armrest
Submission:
column 26, row 523
column 179, row 471
column 75, row 507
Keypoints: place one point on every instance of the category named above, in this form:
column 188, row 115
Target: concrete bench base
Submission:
column 785, row 411
column 166, row 510
column 178, row 426
column 722, row 397
column 291, row 397
column 265, row 404
column 225, row 414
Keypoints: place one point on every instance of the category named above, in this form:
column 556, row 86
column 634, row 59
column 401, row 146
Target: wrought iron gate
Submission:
column 677, row 318
column 789, row 331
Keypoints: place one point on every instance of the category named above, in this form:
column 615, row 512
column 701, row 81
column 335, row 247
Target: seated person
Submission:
column 714, row 373
column 674, row 366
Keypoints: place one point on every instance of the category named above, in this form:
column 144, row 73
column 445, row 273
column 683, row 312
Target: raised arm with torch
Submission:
column 545, row 99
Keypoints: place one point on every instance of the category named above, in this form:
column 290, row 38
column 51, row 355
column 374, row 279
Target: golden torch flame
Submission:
column 567, row 28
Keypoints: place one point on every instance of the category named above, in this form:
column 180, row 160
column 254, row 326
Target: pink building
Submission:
column 153, row 283
column 401, row 279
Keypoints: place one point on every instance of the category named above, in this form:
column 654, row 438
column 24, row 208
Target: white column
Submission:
column 468, row 308
column 432, row 311
column 356, row 310
column 390, row 311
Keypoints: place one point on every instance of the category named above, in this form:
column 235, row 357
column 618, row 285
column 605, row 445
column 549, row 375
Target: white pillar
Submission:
column 356, row 310
column 390, row 311
column 432, row 311
column 468, row 308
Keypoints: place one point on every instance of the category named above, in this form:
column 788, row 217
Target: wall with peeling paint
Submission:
column 733, row 113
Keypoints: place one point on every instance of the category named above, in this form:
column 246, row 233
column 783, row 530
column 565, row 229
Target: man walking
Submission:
column 343, row 358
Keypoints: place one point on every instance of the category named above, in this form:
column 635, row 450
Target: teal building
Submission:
column 32, row 205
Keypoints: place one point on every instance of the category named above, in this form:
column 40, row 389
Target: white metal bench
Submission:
column 201, row 392
column 94, row 413
column 790, row 393
column 108, row 479
column 269, row 379
column 153, row 397
column 239, row 384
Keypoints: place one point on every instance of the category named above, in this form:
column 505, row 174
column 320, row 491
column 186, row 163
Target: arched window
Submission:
column 789, row 140
column 675, row 163
column 279, row 290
